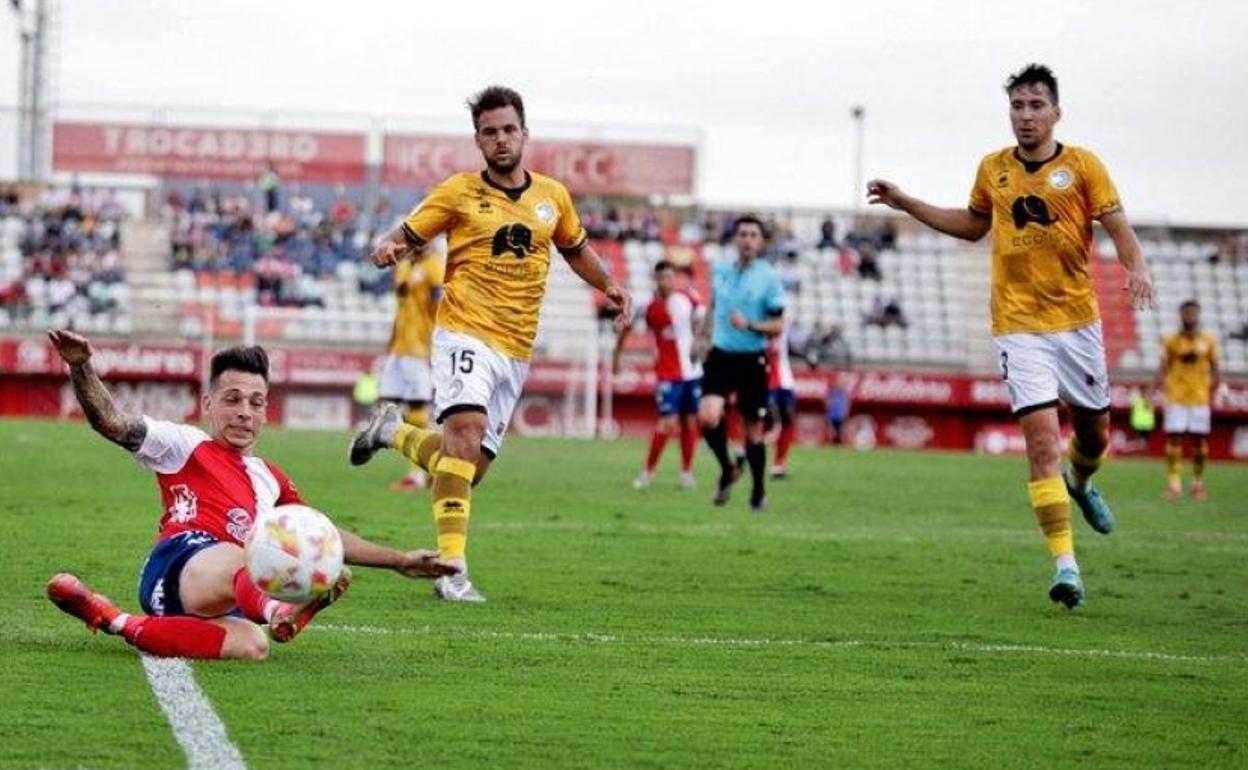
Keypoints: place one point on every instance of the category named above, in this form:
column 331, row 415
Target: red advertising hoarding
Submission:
column 586, row 168
column 312, row 387
column 207, row 152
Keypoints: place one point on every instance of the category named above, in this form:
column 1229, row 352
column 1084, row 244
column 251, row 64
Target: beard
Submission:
column 503, row 168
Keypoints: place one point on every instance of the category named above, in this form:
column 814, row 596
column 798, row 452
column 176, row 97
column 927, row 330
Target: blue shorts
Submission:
column 161, row 573
column 782, row 398
column 678, row 397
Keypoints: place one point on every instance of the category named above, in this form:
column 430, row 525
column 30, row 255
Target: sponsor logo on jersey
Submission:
column 514, row 238
column 1031, row 208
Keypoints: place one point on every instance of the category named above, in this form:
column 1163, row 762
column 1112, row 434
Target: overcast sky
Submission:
column 1157, row 89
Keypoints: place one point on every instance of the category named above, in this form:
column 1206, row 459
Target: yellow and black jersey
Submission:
column 1042, row 214
column 417, row 287
column 498, row 253
column 1190, row 361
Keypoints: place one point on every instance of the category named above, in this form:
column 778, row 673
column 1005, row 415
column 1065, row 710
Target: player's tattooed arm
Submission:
column 125, row 430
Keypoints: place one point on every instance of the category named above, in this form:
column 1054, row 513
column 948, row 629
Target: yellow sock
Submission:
column 452, row 501
column 1174, row 456
column 1052, row 504
column 418, row 444
column 1083, row 466
column 417, row 416
column 1198, row 459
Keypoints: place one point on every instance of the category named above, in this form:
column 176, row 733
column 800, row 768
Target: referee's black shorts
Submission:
column 745, row 374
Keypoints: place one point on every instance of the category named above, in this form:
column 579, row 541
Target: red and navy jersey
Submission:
column 779, row 372
column 209, row 487
column 672, row 319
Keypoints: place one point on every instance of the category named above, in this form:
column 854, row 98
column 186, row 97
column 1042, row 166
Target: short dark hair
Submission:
column 494, row 98
column 242, row 358
column 662, row 265
column 749, row 219
column 1189, row 303
column 1033, row 75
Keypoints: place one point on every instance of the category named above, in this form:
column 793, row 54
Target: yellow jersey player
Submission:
column 405, row 377
column 1189, row 378
column 501, row 224
column 1039, row 198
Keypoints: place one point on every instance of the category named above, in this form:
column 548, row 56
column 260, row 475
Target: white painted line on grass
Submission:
column 590, row 637
column 1205, row 542
column 195, row 723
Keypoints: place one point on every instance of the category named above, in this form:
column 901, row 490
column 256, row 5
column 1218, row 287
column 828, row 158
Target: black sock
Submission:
column 717, row 440
column 756, row 455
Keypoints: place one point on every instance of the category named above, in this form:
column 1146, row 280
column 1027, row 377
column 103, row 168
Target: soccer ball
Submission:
column 293, row 553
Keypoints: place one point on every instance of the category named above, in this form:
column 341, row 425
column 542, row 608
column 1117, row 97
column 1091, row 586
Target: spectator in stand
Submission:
column 270, row 185
column 827, row 234
column 868, row 265
column 827, row 347
column 790, row 274
column 888, row 235
column 652, row 230
column 846, row 263
column 885, row 314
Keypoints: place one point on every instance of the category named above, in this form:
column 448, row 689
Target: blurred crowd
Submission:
column 285, row 242
column 60, row 257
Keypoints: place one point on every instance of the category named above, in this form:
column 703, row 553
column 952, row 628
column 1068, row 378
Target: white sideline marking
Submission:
column 842, row 644
column 1212, row 542
column 195, row 723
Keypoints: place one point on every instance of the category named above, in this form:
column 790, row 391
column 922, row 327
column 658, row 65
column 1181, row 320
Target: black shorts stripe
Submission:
column 457, row 408
column 1026, row 410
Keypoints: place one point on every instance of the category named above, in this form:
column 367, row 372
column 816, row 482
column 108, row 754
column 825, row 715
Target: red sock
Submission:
column 688, row 444
column 783, row 442
column 175, row 637
column 658, row 440
column 736, row 430
column 249, row 598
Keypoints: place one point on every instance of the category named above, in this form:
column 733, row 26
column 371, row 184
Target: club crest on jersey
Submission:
column 184, row 506
column 545, row 212
column 1061, row 178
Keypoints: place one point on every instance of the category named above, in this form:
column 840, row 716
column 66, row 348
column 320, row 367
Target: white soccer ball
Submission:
column 293, row 553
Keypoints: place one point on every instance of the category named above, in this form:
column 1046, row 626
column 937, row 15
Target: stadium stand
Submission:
column 61, row 263
column 1197, row 268
column 215, row 258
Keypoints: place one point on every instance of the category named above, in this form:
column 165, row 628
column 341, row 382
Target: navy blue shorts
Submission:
column 678, row 397
column 161, row 573
column 782, row 398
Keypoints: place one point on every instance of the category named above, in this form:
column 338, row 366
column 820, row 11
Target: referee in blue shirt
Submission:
column 747, row 305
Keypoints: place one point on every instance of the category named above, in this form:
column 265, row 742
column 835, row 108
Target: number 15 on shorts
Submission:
column 462, row 361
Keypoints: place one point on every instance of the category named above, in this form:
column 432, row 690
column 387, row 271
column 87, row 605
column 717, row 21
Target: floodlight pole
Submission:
column 858, row 113
column 31, row 89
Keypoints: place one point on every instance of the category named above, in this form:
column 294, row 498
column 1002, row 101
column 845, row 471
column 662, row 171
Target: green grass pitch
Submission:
column 890, row 611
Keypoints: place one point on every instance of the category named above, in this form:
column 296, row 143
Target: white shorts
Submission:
column 404, row 378
column 1187, row 419
column 469, row 374
column 1041, row 368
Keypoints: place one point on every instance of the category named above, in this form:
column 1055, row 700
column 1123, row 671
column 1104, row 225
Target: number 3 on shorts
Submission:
column 461, row 361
